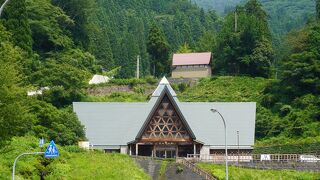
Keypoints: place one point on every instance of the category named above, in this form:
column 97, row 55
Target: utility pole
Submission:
column 3, row 5
column 238, row 145
column 138, row 66
column 235, row 21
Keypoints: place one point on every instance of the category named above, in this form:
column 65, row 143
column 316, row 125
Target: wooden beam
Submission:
column 165, row 140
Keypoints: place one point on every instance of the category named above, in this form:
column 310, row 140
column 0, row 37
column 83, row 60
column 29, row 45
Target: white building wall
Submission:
column 123, row 149
column 205, row 150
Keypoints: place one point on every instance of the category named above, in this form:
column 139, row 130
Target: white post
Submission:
column 138, row 66
column 194, row 150
column 137, row 149
column 238, row 145
column 15, row 161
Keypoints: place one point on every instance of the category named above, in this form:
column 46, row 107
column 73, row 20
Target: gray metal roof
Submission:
column 111, row 123
column 208, row 126
column 119, row 123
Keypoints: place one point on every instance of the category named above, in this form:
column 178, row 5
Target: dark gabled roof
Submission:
column 165, row 91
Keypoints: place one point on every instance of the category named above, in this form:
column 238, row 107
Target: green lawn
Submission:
column 93, row 165
column 254, row 174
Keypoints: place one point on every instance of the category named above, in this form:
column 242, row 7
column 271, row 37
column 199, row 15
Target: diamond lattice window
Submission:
column 165, row 123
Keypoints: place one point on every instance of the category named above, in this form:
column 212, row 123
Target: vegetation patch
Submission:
column 72, row 163
column 246, row 173
column 117, row 97
column 163, row 168
column 179, row 169
column 226, row 89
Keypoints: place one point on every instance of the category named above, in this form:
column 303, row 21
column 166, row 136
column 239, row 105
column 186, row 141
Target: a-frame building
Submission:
column 165, row 127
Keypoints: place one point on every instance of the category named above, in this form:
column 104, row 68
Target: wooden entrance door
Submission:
column 168, row 151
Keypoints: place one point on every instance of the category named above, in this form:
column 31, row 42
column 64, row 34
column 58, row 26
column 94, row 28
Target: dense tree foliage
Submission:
column 14, row 116
column 295, row 98
column 60, row 44
column 244, row 42
column 158, row 48
column 15, row 19
column 283, row 15
column 116, row 32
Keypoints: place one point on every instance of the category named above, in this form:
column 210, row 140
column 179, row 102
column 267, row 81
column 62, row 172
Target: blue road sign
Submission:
column 51, row 151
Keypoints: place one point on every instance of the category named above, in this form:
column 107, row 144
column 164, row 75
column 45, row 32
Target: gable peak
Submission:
column 164, row 81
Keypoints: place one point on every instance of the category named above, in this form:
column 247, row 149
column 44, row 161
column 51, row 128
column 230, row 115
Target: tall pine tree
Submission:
column 158, row 48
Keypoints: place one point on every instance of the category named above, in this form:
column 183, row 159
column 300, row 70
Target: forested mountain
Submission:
column 117, row 31
column 283, row 15
column 59, row 44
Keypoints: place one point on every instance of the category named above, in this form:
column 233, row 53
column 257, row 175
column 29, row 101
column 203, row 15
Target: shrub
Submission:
column 179, row 169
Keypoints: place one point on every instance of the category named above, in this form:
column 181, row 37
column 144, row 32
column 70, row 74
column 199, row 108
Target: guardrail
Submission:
column 195, row 169
column 299, row 162
column 246, row 157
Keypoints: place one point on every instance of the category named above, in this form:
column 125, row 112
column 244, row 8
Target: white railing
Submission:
column 245, row 157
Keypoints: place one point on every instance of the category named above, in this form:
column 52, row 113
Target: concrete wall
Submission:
column 123, row 149
column 205, row 150
column 191, row 73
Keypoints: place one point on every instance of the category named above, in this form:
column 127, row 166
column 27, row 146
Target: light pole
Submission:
column 15, row 161
column 238, row 145
column 225, row 140
column 3, row 5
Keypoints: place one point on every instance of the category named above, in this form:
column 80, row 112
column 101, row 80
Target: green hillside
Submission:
column 226, row 89
column 72, row 163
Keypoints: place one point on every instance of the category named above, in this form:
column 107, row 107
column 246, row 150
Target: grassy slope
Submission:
column 226, row 89
column 94, row 165
column 245, row 173
column 73, row 163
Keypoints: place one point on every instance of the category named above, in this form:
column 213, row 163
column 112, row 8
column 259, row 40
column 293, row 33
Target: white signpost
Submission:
column 265, row 157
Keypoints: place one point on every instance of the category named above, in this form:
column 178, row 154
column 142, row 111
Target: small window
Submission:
column 112, row 150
